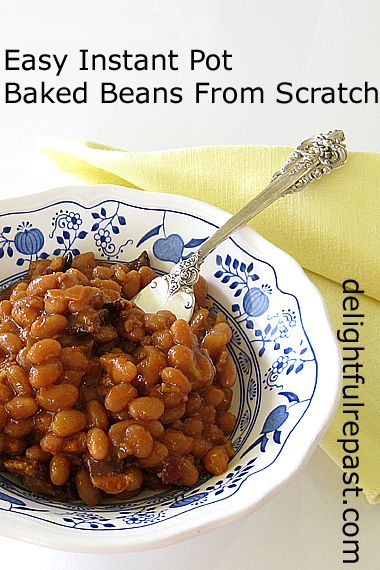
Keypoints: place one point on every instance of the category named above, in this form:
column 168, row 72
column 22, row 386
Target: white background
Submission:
column 305, row 42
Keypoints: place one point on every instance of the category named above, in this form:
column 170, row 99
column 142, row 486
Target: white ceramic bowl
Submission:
column 283, row 346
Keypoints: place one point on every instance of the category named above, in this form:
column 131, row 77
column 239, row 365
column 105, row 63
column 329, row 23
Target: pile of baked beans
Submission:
column 98, row 398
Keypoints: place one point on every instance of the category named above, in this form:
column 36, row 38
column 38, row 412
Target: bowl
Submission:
column 283, row 346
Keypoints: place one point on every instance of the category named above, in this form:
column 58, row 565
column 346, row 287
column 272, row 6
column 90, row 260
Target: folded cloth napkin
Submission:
column 332, row 229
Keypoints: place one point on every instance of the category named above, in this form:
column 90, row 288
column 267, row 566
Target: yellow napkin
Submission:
column 332, row 229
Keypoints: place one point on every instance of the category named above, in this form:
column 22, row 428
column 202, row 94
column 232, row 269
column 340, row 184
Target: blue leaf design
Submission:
column 95, row 215
column 20, row 261
column 218, row 260
column 218, row 274
column 291, row 396
column 153, row 232
column 235, row 264
column 254, row 277
column 93, row 525
column 60, row 239
column 276, row 436
column 238, row 293
column 103, row 212
column 66, row 519
column 115, row 230
column 257, row 332
column 234, row 285
column 122, row 220
column 7, row 229
column 228, row 260
column 290, row 369
column 13, row 500
column 1, row 252
column 219, row 492
column 66, row 234
column 109, row 525
column 243, row 266
column 226, row 278
column 235, row 307
column 299, row 368
column 57, row 251
column 10, row 251
column 249, row 325
column 250, row 267
column 267, row 329
column 82, row 235
column 273, row 332
column 303, row 351
column 194, row 242
column 75, row 251
column 188, row 500
column 276, row 346
column 287, row 350
column 262, row 350
column 43, row 255
column 94, row 227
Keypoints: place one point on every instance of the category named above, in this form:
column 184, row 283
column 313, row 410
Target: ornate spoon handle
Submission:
column 314, row 157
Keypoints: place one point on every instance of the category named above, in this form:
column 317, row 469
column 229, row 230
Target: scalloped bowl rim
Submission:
column 320, row 412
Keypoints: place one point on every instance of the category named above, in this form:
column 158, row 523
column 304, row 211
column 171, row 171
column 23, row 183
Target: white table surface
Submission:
column 309, row 43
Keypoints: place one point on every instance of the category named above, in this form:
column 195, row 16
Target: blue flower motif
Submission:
column 102, row 237
column 280, row 364
column 73, row 220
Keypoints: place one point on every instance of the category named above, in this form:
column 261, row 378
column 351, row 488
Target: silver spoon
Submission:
column 311, row 160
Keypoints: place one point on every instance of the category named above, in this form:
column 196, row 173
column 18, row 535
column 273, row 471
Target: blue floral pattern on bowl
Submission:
column 277, row 368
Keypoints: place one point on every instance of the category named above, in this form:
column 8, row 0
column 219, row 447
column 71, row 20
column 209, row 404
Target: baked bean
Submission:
column 18, row 378
column 43, row 350
column 5, row 307
column 193, row 427
column 101, row 272
column 48, row 326
column 96, row 415
column 146, row 408
column 37, row 454
column 14, row 446
column 26, row 310
column 200, row 447
column 154, row 322
column 71, row 278
column 216, row 460
column 226, row 421
column 216, row 339
column 224, row 406
column 173, row 380
column 74, row 359
column 18, row 292
column 200, row 290
column 177, row 442
column 19, row 428
column 76, row 444
column 40, row 285
column 119, row 368
column 208, row 414
column 5, row 393
column 51, row 443
column 162, row 340
column 119, row 397
column 86, row 491
column 68, row 422
column 157, row 457
column 155, row 428
column 135, row 477
column 22, row 358
column 213, row 395
column 55, row 302
column 153, row 362
column 10, row 343
column 57, row 397
column 42, row 422
column 173, row 414
column 3, row 417
column 194, row 403
column 97, row 443
column 197, row 367
column 45, row 374
column 182, row 334
column 179, row 471
column 21, row 407
column 147, row 274
column 213, row 434
column 73, row 377
column 132, row 284
column 226, row 372
column 131, row 439
column 60, row 468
